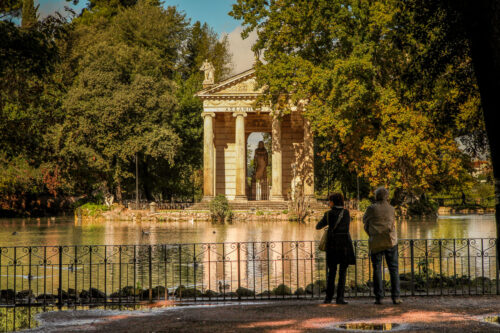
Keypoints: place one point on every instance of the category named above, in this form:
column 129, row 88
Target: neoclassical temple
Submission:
column 230, row 116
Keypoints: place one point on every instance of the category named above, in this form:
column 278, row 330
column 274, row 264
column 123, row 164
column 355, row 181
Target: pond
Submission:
column 64, row 231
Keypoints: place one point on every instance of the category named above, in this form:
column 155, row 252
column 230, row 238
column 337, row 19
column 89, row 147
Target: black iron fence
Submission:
column 126, row 274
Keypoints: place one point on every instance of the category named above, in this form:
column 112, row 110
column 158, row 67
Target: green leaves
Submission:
column 385, row 89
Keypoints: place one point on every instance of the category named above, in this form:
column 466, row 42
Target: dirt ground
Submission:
column 416, row 314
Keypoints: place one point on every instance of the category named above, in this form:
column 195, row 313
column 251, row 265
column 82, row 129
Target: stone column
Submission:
column 277, row 179
column 308, row 161
column 240, row 156
column 208, row 156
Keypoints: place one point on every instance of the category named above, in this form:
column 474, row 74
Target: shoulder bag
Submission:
column 324, row 238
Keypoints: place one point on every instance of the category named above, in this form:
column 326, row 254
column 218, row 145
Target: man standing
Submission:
column 380, row 225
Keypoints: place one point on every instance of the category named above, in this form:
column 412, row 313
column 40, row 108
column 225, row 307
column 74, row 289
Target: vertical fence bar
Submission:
column 90, row 273
column 135, row 272
column 14, row 277
column 44, row 274
column 412, row 263
column 105, row 275
column 180, row 272
column 283, row 266
column 30, row 277
column 60, row 276
column 468, row 264
column 194, row 270
column 455, row 266
column 238, row 268
column 209, row 246
column 482, row 265
column 120, row 274
column 223, row 272
column 268, row 272
column 253, row 271
column 150, row 257
column 311, row 258
column 355, row 269
column 76, row 274
column 297, row 266
column 440, row 268
column 165, row 270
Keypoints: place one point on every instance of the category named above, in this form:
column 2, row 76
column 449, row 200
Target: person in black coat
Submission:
column 339, row 249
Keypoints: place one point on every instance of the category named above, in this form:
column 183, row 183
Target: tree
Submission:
column 29, row 14
column 353, row 64
column 123, row 100
column 10, row 8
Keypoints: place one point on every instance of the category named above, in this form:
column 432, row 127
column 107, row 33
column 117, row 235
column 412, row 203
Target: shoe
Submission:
column 342, row 302
column 397, row 301
column 378, row 301
column 327, row 301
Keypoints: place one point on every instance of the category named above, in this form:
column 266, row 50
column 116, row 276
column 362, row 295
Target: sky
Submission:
column 213, row 12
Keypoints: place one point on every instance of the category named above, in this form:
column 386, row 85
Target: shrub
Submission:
column 364, row 204
column 92, row 209
column 259, row 213
column 219, row 209
column 423, row 207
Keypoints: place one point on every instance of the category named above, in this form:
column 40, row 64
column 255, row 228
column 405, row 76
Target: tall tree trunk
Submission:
column 483, row 28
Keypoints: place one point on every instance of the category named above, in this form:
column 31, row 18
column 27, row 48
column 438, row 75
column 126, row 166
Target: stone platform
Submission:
column 258, row 205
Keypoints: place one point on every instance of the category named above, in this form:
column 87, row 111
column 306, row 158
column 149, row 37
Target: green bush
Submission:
column 219, row 209
column 259, row 213
column 364, row 204
column 92, row 209
column 423, row 207
column 285, row 211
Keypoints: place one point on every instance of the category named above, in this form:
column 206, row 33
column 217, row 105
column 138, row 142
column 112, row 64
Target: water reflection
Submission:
column 63, row 231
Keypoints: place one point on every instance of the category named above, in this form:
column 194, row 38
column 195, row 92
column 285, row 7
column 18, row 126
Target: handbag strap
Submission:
column 338, row 220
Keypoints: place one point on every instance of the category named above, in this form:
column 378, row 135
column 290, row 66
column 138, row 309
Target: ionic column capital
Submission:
column 239, row 113
column 205, row 114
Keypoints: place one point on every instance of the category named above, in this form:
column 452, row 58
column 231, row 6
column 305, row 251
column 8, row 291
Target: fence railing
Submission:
column 125, row 274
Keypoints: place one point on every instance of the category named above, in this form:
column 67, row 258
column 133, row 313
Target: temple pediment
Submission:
column 239, row 86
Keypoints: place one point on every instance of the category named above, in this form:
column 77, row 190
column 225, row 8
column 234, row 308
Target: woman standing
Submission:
column 339, row 250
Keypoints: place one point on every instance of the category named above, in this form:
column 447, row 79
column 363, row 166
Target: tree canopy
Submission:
column 367, row 72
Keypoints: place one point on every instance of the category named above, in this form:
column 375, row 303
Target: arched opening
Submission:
column 259, row 165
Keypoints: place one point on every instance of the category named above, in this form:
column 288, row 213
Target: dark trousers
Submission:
column 330, row 283
column 391, row 258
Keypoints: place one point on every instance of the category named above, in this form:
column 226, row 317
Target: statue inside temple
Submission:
column 260, row 161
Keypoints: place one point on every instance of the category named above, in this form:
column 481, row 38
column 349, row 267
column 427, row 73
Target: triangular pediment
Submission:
column 242, row 84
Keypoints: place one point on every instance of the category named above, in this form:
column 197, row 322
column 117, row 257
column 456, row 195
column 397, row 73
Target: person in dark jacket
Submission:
column 339, row 249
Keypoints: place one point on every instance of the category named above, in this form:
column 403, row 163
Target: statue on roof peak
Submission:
column 209, row 70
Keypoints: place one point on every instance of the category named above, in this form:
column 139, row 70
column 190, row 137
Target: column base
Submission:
column 276, row 198
column 207, row 198
column 240, row 198
column 311, row 198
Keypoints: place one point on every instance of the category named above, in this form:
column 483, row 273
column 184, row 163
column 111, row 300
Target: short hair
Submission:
column 337, row 199
column 381, row 194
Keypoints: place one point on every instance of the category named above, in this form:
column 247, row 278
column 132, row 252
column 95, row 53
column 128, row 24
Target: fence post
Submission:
column 440, row 268
column 356, row 269
column 60, row 275
column 412, row 261
column 239, row 275
column 120, row 275
column 150, row 274
column 15, row 275
column 29, row 278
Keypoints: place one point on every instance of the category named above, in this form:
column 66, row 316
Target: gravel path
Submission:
column 416, row 314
